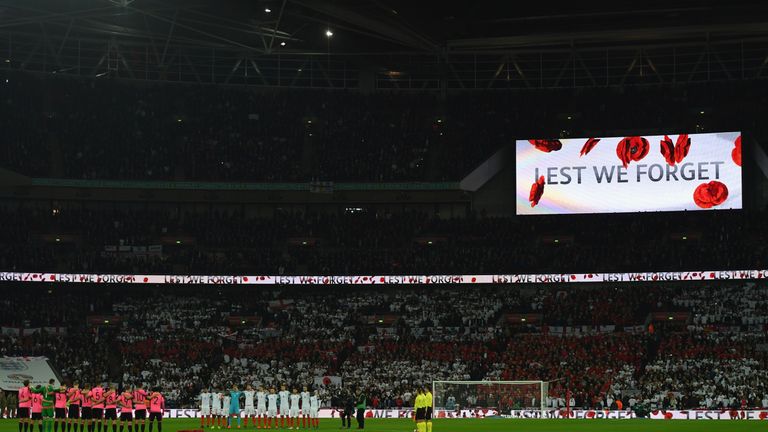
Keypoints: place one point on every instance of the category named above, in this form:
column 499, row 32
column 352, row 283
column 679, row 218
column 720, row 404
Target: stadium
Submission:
column 383, row 215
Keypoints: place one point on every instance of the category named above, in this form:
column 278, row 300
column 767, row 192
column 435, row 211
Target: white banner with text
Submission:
column 560, row 278
column 679, row 172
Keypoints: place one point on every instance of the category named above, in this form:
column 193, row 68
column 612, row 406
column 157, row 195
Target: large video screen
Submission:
column 629, row 174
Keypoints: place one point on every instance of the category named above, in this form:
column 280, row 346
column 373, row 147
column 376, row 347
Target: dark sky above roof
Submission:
column 376, row 25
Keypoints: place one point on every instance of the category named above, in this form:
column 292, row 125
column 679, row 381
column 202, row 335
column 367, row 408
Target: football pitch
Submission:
column 496, row 425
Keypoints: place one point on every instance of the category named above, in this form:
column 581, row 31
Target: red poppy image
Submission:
column 537, row 190
column 736, row 152
column 588, row 146
column 682, row 146
column 668, row 150
column 675, row 153
column 546, row 145
column 632, row 149
column 708, row 195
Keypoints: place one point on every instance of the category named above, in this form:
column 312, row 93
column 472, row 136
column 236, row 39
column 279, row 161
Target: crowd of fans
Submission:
column 213, row 241
column 111, row 129
column 187, row 339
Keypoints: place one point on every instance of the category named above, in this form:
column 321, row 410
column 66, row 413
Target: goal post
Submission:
column 469, row 398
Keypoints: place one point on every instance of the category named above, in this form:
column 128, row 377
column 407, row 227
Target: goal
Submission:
column 487, row 398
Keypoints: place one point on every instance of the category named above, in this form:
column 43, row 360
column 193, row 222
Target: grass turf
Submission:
column 496, row 425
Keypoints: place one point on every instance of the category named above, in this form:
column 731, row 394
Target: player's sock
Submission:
column 151, row 424
column 130, row 427
column 114, row 427
column 238, row 421
column 429, row 426
column 40, row 427
column 55, row 426
column 122, row 428
column 160, row 426
column 21, row 427
column 143, row 426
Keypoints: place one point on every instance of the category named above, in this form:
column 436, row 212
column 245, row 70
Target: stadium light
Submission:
column 242, row 322
column 685, row 238
column 522, row 319
column 267, row 10
column 328, row 33
column 282, row 43
column 178, row 241
column 701, row 112
column 58, row 239
column 671, row 318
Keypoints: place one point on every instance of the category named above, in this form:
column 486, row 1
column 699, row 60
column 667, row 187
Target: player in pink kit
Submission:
column 140, row 407
column 126, row 409
column 110, row 411
column 37, row 409
column 60, row 409
column 97, row 409
column 75, row 400
column 25, row 403
column 156, row 406
column 86, row 418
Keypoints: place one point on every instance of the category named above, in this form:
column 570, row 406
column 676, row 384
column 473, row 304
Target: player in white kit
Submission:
column 205, row 409
column 304, row 407
column 314, row 409
column 271, row 407
column 293, row 412
column 284, row 407
column 216, row 410
column 225, row 406
column 249, row 411
column 261, row 406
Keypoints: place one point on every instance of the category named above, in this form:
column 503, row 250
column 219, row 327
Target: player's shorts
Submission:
column 74, row 411
column 234, row 411
column 293, row 412
column 420, row 414
column 261, row 410
column 37, row 416
column 48, row 412
column 60, row 413
column 156, row 416
column 205, row 410
column 97, row 413
column 22, row 412
column 272, row 412
column 284, row 410
column 314, row 413
column 110, row 414
column 428, row 416
column 140, row 414
column 249, row 411
column 126, row 416
column 87, row 413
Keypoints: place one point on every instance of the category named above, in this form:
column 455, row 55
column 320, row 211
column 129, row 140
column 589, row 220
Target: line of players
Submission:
column 216, row 406
column 91, row 409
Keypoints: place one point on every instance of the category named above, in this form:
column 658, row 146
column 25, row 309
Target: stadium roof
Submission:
column 383, row 34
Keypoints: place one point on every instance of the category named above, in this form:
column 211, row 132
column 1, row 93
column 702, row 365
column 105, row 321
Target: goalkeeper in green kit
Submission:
column 49, row 392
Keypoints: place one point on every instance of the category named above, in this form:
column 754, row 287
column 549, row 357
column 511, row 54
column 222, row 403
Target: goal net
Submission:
column 487, row 398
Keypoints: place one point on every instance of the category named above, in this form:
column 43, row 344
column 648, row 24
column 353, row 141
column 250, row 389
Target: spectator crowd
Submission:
column 184, row 339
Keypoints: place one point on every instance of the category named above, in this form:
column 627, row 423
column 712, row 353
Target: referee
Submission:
column 360, row 404
column 428, row 408
column 421, row 412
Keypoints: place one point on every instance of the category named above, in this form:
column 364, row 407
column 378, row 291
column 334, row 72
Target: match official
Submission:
column 419, row 408
column 428, row 408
